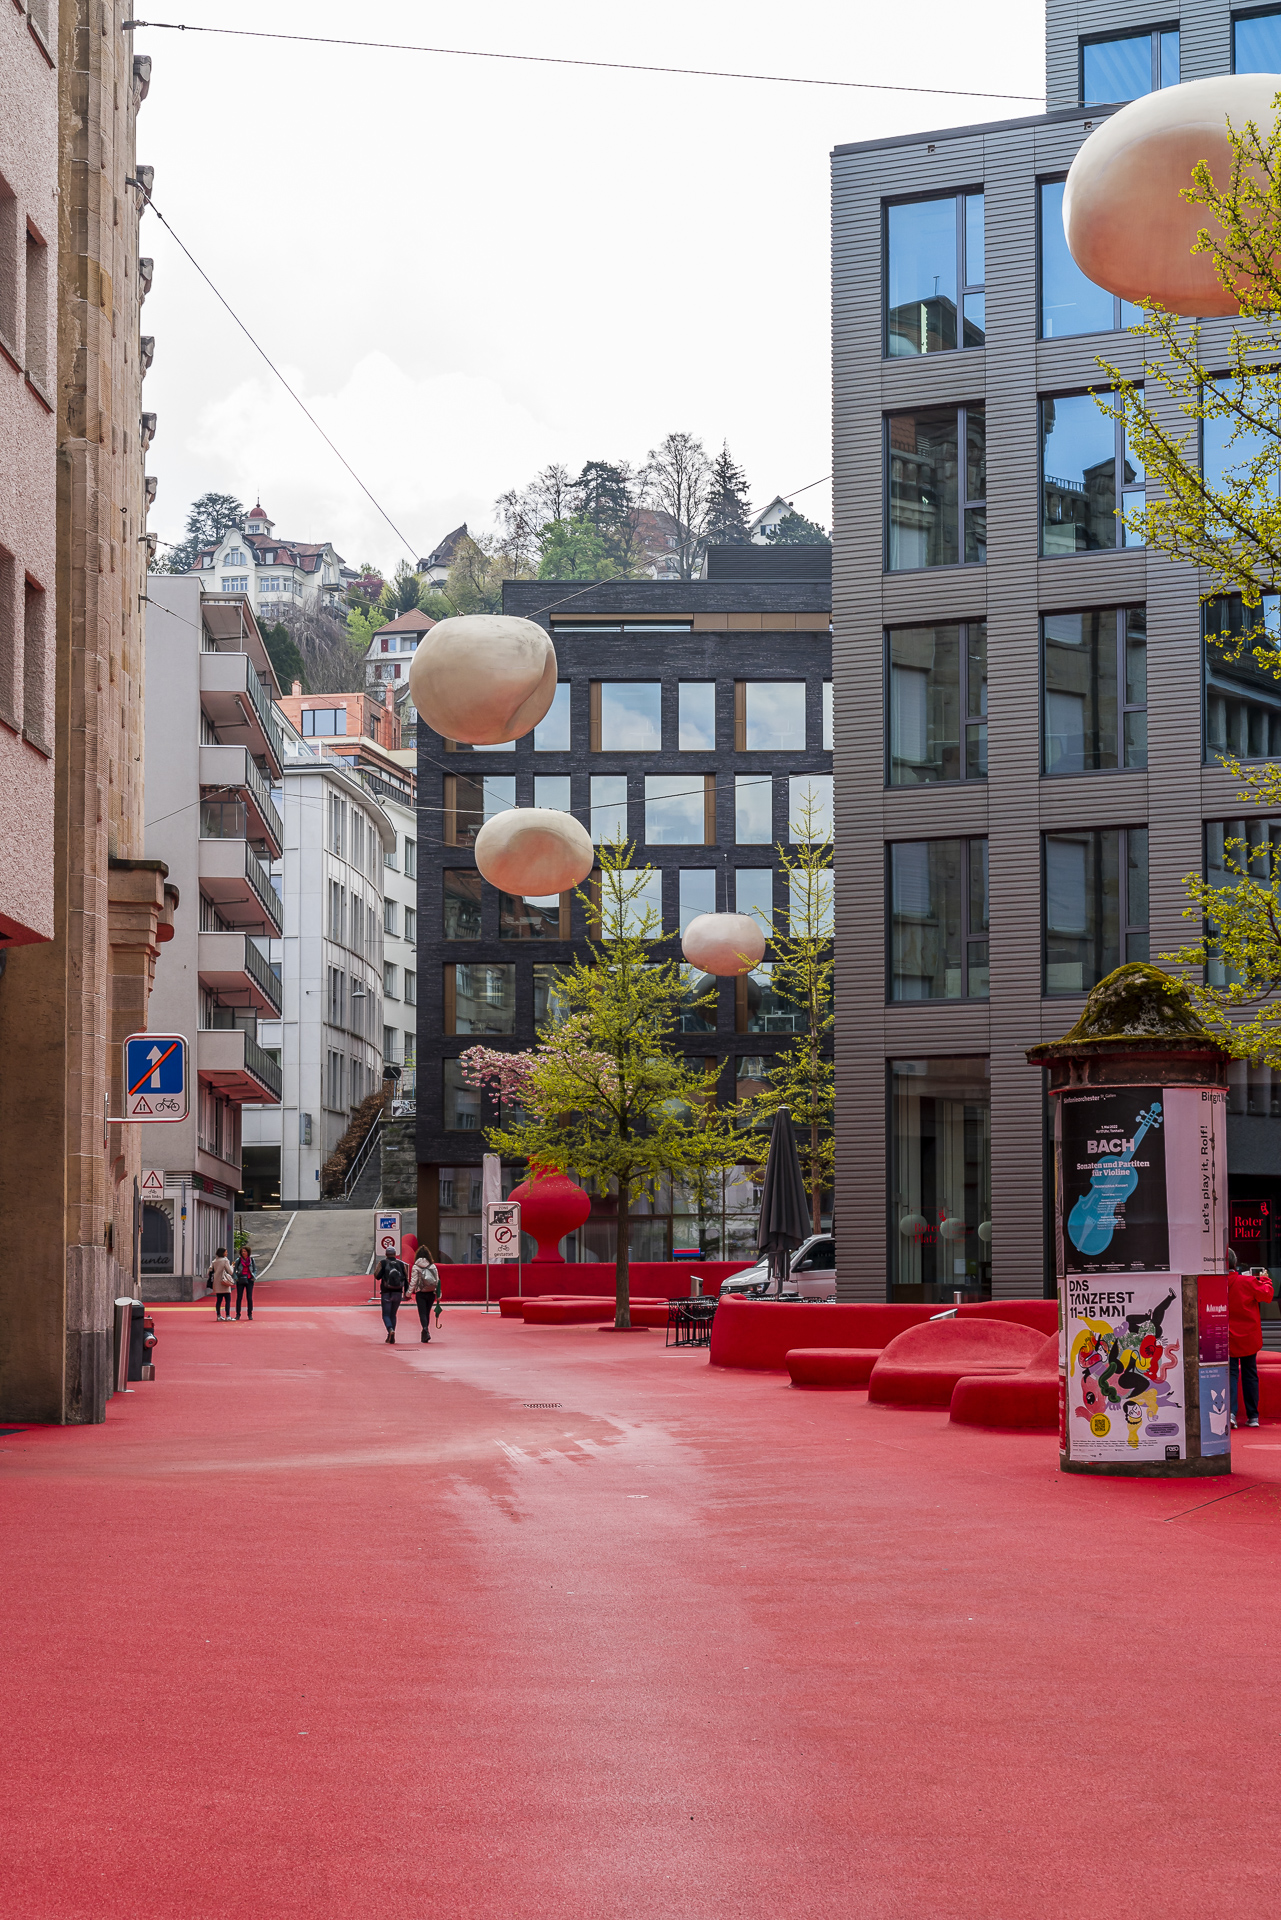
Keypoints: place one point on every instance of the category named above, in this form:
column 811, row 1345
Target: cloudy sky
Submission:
column 471, row 267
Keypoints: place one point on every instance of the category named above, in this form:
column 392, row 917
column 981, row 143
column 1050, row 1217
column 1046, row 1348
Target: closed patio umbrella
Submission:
column 785, row 1218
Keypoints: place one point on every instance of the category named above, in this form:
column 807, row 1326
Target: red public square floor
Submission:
column 553, row 1622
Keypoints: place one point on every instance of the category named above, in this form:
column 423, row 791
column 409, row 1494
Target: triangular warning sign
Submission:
column 141, row 1104
column 153, row 1182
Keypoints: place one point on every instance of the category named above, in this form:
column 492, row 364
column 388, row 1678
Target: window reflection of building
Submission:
column 940, row 1178
column 1242, row 693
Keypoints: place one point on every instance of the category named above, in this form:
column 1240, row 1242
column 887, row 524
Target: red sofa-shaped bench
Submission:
column 548, row 1311
column 1027, row 1399
column 920, row 1368
column 832, row 1366
column 759, row 1334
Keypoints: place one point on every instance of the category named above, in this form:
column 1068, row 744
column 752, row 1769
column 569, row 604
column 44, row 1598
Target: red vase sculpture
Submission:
column 550, row 1207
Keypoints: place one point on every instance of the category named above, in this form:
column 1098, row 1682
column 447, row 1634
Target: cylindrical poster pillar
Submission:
column 1138, row 1099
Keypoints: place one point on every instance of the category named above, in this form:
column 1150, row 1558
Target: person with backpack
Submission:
column 246, row 1271
column 425, row 1286
column 219, row 1279
column 393, row 1285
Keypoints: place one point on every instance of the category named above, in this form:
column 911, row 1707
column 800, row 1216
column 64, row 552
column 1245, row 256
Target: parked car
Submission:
column 813, row 1275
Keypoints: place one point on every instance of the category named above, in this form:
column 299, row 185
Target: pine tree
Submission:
column 209, row 517
column 794, row 530
column 727, row 502
column 284, row 656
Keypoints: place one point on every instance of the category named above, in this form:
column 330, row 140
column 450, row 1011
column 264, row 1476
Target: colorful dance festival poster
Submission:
column 1124, row 1371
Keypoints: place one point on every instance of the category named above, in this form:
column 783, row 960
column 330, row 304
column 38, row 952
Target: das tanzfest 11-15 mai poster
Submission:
column 1124, row 1368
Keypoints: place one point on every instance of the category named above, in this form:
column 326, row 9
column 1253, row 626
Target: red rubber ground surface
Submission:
column 318, row 1627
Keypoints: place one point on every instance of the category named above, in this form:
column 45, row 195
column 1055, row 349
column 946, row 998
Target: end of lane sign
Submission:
column 156, row 1078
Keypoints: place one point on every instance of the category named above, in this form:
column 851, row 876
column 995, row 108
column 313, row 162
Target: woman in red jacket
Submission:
column 1246, row 1291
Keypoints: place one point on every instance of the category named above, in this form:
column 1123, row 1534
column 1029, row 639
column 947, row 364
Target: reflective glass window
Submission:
column 762, row 1009
column 551, row 735
column 675, row 809
column 811, row 903
column 1071, row 304
column 1229, row 450
column 696, row 723
column 828, row 723
column 935, row 271
column 608, row 807
column 630, row 716
column 937, row 487
column 1242, row 694
column 549, row 1005
column 461, row 1102
column 938, row 920
column 809, row 807
column 774, row 716
column 1096, row 905
column 528, row 916
column 1256, row 48
column 940, row 1178
column 1129, row 66
column 1088, row 476
column 552, row 790
column 484, row 998
column 697, row 893
column 1094, row 672
column 937, row 704
column 754, row 894
column 753, row 809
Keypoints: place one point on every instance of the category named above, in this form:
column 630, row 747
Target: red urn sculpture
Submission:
column 550, row 1207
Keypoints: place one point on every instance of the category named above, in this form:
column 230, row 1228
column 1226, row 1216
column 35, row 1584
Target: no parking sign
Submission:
column 387, row 1236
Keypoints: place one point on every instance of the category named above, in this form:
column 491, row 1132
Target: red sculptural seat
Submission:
column 549, row 1311
column 920, row 1368
column 832, row 1366
column 1027, row 1399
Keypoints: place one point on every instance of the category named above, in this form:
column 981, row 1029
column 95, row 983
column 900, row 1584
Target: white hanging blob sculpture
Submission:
column 724, row 943
column 534, row 851
column 1126, row 226
column 483, row 678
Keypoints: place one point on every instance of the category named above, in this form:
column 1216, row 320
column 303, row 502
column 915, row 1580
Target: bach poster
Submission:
column 1125, row 1382
column 1142, row 1180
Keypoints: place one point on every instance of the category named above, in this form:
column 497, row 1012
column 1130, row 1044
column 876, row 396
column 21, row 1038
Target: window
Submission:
column 938, row 703
column 1234, row 848
column 35, row 666
column 809, row 808
column 462, row 903
column 323, row 722
column 828, row 730
column 697, row 893
column 389, row 1045
column 638, row 911
column 1071, row 304
column 680, row 809
column 811, row 904
column 1242, row 695
column 222, row 819
column 335, row 1078
column 337, row 997
column 411, row 987
column 552, row 790
column 389, row 916
column 698, row 1002
column 37, row 346
column 940, row 1178
column 1126, row 67
column 1087, row 473
column 411, row 926
column 1228, row 452
column 938, row 920
column 480, row 999
column 469, row 802
column 626, row 716
column 337, row 824
column 551, row 735
column 696, row 716
column 1095, row 676
column 411, row 859
column 530, row 916
column 462, row 1103
column 759, row 1009
column 609, row 807
column 1256, row 42
column 934, row 259
column 769, row 716
column 753, row 809
column 390, row 973
column 236, row 585
column 337, row 912
column 754, row 894
column 549, row 1005
column 937, row 510
column 1096, row 905
column 10, row 222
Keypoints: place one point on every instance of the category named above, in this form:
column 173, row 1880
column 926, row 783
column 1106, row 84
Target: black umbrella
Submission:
column 784, row 1202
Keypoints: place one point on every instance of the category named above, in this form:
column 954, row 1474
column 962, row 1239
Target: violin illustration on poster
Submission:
column 1114, row 1214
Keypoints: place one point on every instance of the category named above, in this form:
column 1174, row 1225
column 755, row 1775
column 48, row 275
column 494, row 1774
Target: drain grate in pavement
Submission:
column 541, row 1406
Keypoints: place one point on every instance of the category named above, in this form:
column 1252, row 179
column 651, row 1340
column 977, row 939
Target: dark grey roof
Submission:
column 983, row 126
column 548, row 600
column 778, row 563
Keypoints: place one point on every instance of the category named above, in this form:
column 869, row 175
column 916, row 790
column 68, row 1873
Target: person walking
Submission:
column 220, row 1279
column 246, row 1274
column 424, row 1284
column 1246, row 1292
column 393, row 1285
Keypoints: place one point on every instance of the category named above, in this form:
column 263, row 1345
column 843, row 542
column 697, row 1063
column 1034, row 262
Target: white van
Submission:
column 813, row 1275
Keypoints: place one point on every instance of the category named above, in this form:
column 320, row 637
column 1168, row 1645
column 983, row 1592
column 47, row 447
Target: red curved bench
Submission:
column 545, row 1310
column 921, row 1367
column 759, row 1334
column 1027, row 1399
column 832, row 1366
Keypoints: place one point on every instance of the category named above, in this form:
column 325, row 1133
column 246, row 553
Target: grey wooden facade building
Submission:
column 1005, row 365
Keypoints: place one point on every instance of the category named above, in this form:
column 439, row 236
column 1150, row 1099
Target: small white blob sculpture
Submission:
column 534, row 851
column 483, row 678
column 724, row 943
column 1126, row 226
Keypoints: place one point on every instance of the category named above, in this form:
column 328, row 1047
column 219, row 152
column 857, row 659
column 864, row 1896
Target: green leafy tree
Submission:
column 477, row 571
column 606, row 1094
column 284, row 656
column 727, row 502
column 802, row 1077
column 794, row 530
column 361, row 627
column 400, row 594
column 208, row 519
column 574, row 550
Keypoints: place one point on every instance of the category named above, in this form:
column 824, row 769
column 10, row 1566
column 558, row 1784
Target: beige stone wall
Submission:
column 66, row 1179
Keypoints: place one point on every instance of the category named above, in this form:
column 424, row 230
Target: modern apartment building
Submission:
column 1028, row 704
column 214, row 768
column 400, row 951
column 689, row 715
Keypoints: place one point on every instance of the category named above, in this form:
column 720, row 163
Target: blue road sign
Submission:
column 156, row 1077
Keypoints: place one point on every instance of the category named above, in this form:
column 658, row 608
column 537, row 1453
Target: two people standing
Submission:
column 394, row 1283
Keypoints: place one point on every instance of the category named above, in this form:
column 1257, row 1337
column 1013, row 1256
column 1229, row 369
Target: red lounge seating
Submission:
column 547, row 1311
column 1043, row 1315
column 832, row 1366
column 1028, row 1399
column 1269, row 1389
column 759, row 1334
column 921, row 1367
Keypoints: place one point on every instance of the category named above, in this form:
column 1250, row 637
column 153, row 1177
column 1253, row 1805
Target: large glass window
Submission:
column 608, row 807
column 462, row 903
column 769, row 716
column 1230, row 447
column 1087, row 473
column 829, row 727
column 1071, row 304
column 676, row 808
column 1233, row 850
column 1242, row 694
column 1095, row 675
column 753, row 809
column 758, row 1008
column 470, row 801
column 809, row 808
column 552, row 790
column 1256, row 48
column 551, row 735
column 321, row 722
column 627, row 716
column 937, row 459
column 222, row 819
column 697, row 893
column 696, row 716
column 1096, row 905
column 1129, row 65
column 549, row 1005
column 811, row 904
column 940, row 1178
column 528, row 916
column 698, row 1003
column 480, row 998
column 754, row 894
column 938, row 703
column 935, row 272
column 462, row 1103
column 938, row 920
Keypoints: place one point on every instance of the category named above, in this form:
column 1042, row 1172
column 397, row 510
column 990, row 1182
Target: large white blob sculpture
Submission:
column 1126, row 226
column 534, row 851
column 724, row 943
column 483, row 678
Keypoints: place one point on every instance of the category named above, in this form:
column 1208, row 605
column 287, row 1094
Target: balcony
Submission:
column 233, row 877
column 234, row 1063
column 233, row 769
column 231, row 964
column 236, row 701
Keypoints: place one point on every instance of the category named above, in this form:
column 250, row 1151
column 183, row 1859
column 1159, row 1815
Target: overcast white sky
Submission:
column 469, row 268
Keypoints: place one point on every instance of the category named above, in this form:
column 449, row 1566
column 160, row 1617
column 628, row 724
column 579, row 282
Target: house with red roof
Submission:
column 278, row 575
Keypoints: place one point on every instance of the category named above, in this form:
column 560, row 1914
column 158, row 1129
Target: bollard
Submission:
column 120, row 1344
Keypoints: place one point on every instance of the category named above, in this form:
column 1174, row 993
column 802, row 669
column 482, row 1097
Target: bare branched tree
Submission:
column 677, row 482
column 332, row 664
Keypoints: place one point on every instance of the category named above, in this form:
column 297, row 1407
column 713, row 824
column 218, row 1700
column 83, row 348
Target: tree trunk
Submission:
column 622, row 1280
column 816, row 1181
